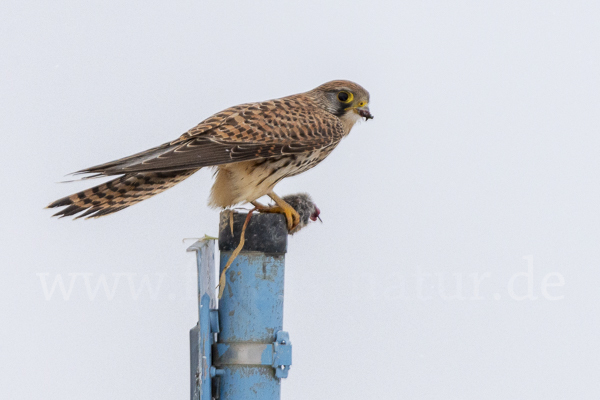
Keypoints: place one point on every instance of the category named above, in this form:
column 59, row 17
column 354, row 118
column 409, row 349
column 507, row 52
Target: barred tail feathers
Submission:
column 119, row 193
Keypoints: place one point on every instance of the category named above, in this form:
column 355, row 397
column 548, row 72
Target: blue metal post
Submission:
column 253, row 352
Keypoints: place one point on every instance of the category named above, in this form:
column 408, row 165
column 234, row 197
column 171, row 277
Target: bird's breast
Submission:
column 249, row 180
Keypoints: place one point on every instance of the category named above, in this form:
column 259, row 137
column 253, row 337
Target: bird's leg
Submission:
column 260, row 206
column 291, row 216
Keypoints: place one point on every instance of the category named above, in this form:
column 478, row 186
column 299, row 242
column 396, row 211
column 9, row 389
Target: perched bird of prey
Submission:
column 251, row 147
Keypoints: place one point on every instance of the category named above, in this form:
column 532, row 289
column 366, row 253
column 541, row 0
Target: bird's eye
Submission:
column 345, row 97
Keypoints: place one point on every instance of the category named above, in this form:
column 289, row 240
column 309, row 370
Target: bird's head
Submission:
column 344, row 99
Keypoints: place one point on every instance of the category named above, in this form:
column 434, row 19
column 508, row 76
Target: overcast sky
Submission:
column 459, row 255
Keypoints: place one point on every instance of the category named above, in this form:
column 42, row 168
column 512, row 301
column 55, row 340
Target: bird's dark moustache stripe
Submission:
column 341, row 111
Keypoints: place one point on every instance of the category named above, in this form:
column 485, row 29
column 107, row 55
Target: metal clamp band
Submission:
column 278, row 354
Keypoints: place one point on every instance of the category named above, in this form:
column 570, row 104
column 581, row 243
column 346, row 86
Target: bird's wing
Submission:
column 246, row 132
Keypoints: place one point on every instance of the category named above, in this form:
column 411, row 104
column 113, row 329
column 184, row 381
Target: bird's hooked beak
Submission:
column 363, row 111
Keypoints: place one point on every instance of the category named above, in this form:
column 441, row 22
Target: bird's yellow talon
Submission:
column 292, row 217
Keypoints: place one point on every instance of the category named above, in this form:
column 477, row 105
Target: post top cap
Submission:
column 266, row 233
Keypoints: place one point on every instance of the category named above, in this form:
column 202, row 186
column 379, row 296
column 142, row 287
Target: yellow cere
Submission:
column 361, row 104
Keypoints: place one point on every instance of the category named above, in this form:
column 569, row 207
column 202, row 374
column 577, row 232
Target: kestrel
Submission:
column 251, row 148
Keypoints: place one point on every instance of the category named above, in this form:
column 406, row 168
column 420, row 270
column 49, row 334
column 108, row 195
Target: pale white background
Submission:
column 484, row 150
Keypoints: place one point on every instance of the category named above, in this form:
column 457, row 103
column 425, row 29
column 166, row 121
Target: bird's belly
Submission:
column 247, row 181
